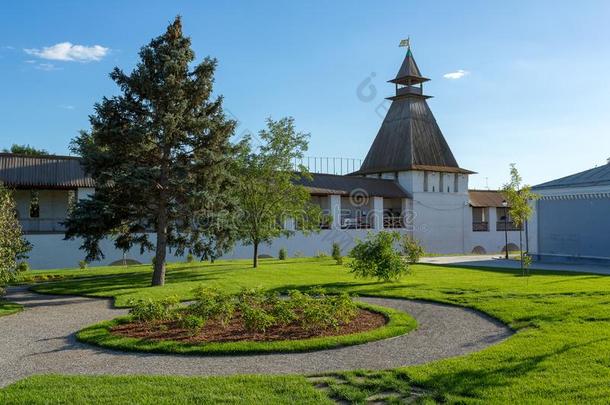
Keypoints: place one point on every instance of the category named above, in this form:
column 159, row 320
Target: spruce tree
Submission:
column 160, row 155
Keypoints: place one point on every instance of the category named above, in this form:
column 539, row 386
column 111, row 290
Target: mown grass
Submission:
column 560, row 353
column 99, row 334
column 9, row 308
column 55, row 389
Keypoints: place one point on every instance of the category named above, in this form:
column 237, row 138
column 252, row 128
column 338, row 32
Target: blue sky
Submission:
column 536, row 90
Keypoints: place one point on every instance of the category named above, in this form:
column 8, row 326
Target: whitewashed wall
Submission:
column 51, row 251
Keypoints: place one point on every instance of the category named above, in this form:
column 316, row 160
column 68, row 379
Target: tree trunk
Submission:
column 521, row 249
column 255, row 258
column 161, row 249
column 160, row 253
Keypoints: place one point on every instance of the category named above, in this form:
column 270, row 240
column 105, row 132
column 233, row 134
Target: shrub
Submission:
column 320, row 255
column 283, row 254
column 412, row 249
column 22, row 267
column 283, row 312
column 344, row 308
column 82, row 264
column 256, row 318
column 149, row 310
column 194, row 324
column 376, row 257
column 339, row 261
column 190, row 258
column 213, row 304
column 298, row 254
column 336, row 252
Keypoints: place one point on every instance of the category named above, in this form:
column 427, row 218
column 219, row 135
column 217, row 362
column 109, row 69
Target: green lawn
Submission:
column 162, row 390
column 8, row 308
column 560, row 353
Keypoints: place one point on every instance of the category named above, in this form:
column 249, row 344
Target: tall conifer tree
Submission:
column 160, row 155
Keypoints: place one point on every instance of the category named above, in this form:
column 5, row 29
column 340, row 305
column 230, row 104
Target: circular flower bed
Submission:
column 250, row 322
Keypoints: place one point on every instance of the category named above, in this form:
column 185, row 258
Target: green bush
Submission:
column 412, row 249
column 283, row 254
column 256, row 318
column 211, row 303
column 149, row 310
column 320, row 255
column 190, row 258
column 22, row 267
column 192, row 323
column 336, row 252
column 82, row 264
column 376, row 257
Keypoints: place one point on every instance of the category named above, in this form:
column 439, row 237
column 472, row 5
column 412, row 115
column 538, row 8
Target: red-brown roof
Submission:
column 486, row 198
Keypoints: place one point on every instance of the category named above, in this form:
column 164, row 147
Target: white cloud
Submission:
column 46, row 67
column 458, row 74
column 66, row 106
column 66, row 51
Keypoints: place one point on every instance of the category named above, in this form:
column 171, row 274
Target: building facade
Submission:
column 409, row 182
column 571, row 219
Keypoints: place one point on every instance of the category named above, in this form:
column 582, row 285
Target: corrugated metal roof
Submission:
column 598, row 176
column 42, row 171
column 325, row 184
column 486, row 198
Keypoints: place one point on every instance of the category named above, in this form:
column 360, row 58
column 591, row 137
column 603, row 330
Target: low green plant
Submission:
column 190, row 258
column 336, row 251
column 192, row 323
column 82, row 264
column 22, row 267
column 257, row 318
column 283, row 254
column 412, row 249
column 376, row 257
column 211, row 303
column 150, row 310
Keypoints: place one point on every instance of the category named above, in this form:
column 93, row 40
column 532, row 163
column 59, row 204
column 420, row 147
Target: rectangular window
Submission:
column 34, row 205
column 455, row 183
column 425, row 181
column 441, row 182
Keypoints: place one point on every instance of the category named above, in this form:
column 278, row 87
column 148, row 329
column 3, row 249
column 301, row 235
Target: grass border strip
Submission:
column 9, row 308
column 399, row 323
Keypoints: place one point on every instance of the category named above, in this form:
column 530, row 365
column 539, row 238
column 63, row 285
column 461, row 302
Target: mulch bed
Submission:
column 235, row 331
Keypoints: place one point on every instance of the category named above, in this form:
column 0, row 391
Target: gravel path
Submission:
column 40, row 340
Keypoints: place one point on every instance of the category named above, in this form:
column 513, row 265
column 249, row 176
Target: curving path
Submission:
column 40, row 340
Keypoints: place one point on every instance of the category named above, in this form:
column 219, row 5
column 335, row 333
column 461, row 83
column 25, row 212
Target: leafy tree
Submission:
column 13, row 247
column 518, row 197
column 268, row 194
column 25, row 150
column 160, row 156
column 376, row 257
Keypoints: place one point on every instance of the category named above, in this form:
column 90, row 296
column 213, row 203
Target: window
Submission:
column 440, row 187
column 455, row 183
column 34, row 205
column 425, row 181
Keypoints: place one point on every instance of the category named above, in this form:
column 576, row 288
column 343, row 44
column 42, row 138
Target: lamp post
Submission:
column 505, row 205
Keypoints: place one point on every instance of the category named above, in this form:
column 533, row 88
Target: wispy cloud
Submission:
column 458, row 74
column 66, row 106
column 66, row 51
column 46, row 67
